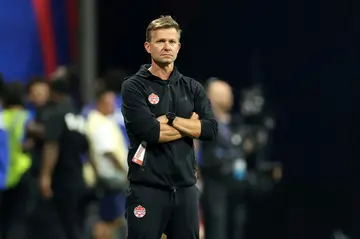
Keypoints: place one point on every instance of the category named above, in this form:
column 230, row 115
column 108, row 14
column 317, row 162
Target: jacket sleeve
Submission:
column 209, row 126
column 137, row 115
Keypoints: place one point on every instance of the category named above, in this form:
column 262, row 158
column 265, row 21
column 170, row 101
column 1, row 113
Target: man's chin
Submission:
column 163, row 62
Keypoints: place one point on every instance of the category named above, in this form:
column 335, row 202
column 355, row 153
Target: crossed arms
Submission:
column 145, row 126
column 181, row 127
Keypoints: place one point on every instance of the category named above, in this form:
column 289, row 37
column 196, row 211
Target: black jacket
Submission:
column 218, row 156
column 146, row 97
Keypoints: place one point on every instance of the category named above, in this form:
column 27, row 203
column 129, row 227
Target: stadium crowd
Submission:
column 63, row 164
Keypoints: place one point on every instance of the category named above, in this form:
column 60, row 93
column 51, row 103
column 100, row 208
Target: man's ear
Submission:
column 147, row 47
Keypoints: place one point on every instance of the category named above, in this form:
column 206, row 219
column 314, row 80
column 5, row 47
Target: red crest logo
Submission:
column 153, row 99
column 139, row 211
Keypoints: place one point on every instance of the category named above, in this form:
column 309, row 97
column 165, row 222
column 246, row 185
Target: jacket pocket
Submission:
column 137, row 172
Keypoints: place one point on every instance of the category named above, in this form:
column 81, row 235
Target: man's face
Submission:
column 164, row 46
column 221, row 96
column 39, row 94
column 107, row 103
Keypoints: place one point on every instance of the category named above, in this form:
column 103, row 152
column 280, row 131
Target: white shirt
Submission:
column 105, row 136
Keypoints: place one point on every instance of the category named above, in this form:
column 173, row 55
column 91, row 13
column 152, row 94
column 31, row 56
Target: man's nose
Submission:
column 167, row 46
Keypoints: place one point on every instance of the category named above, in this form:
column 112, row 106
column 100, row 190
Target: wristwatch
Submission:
column 171, row 117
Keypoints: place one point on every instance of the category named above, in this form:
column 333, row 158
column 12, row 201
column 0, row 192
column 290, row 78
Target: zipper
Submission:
column 169, row 95
column 170, row 109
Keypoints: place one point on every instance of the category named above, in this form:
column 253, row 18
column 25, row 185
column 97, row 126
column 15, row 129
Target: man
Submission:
column 223, row 169
column 61, row 178
column 108, row 152
column 38, row 95
column 113, row 80
column 162, row 195
column 15, row 163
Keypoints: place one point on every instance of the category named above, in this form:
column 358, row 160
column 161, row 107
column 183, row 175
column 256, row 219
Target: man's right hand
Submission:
column 45, row 186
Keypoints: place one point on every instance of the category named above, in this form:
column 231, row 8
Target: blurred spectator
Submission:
column 71, row 75
column 112, row 80
column 109, row 154
column 223, row 170
column 61, row 177
column 38, row 93
column 38, row 102
column 16, row 162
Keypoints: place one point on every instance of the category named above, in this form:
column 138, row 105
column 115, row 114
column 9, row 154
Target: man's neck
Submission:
column 102, row 112
column 223, row 117
column 163, row 72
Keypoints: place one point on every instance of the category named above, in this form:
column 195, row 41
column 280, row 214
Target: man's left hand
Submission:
column 194, row 116
column 162, row 119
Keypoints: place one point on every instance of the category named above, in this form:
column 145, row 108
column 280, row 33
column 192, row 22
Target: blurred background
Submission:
column 293, row 68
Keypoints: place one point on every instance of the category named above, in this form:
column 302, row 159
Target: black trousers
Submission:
column 68, row 207
column 15, row 206
column 61, row 217
column 224, row 210
column 152, row 211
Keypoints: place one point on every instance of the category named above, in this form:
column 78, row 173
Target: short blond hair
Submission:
column 163, row 22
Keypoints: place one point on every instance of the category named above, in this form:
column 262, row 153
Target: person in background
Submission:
column 112, row 80
column 38, row 94
column 38, row 103
column 16, row 162
column 223, row 170
column 70, row 74
column 108, row 151
column 61, row 178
